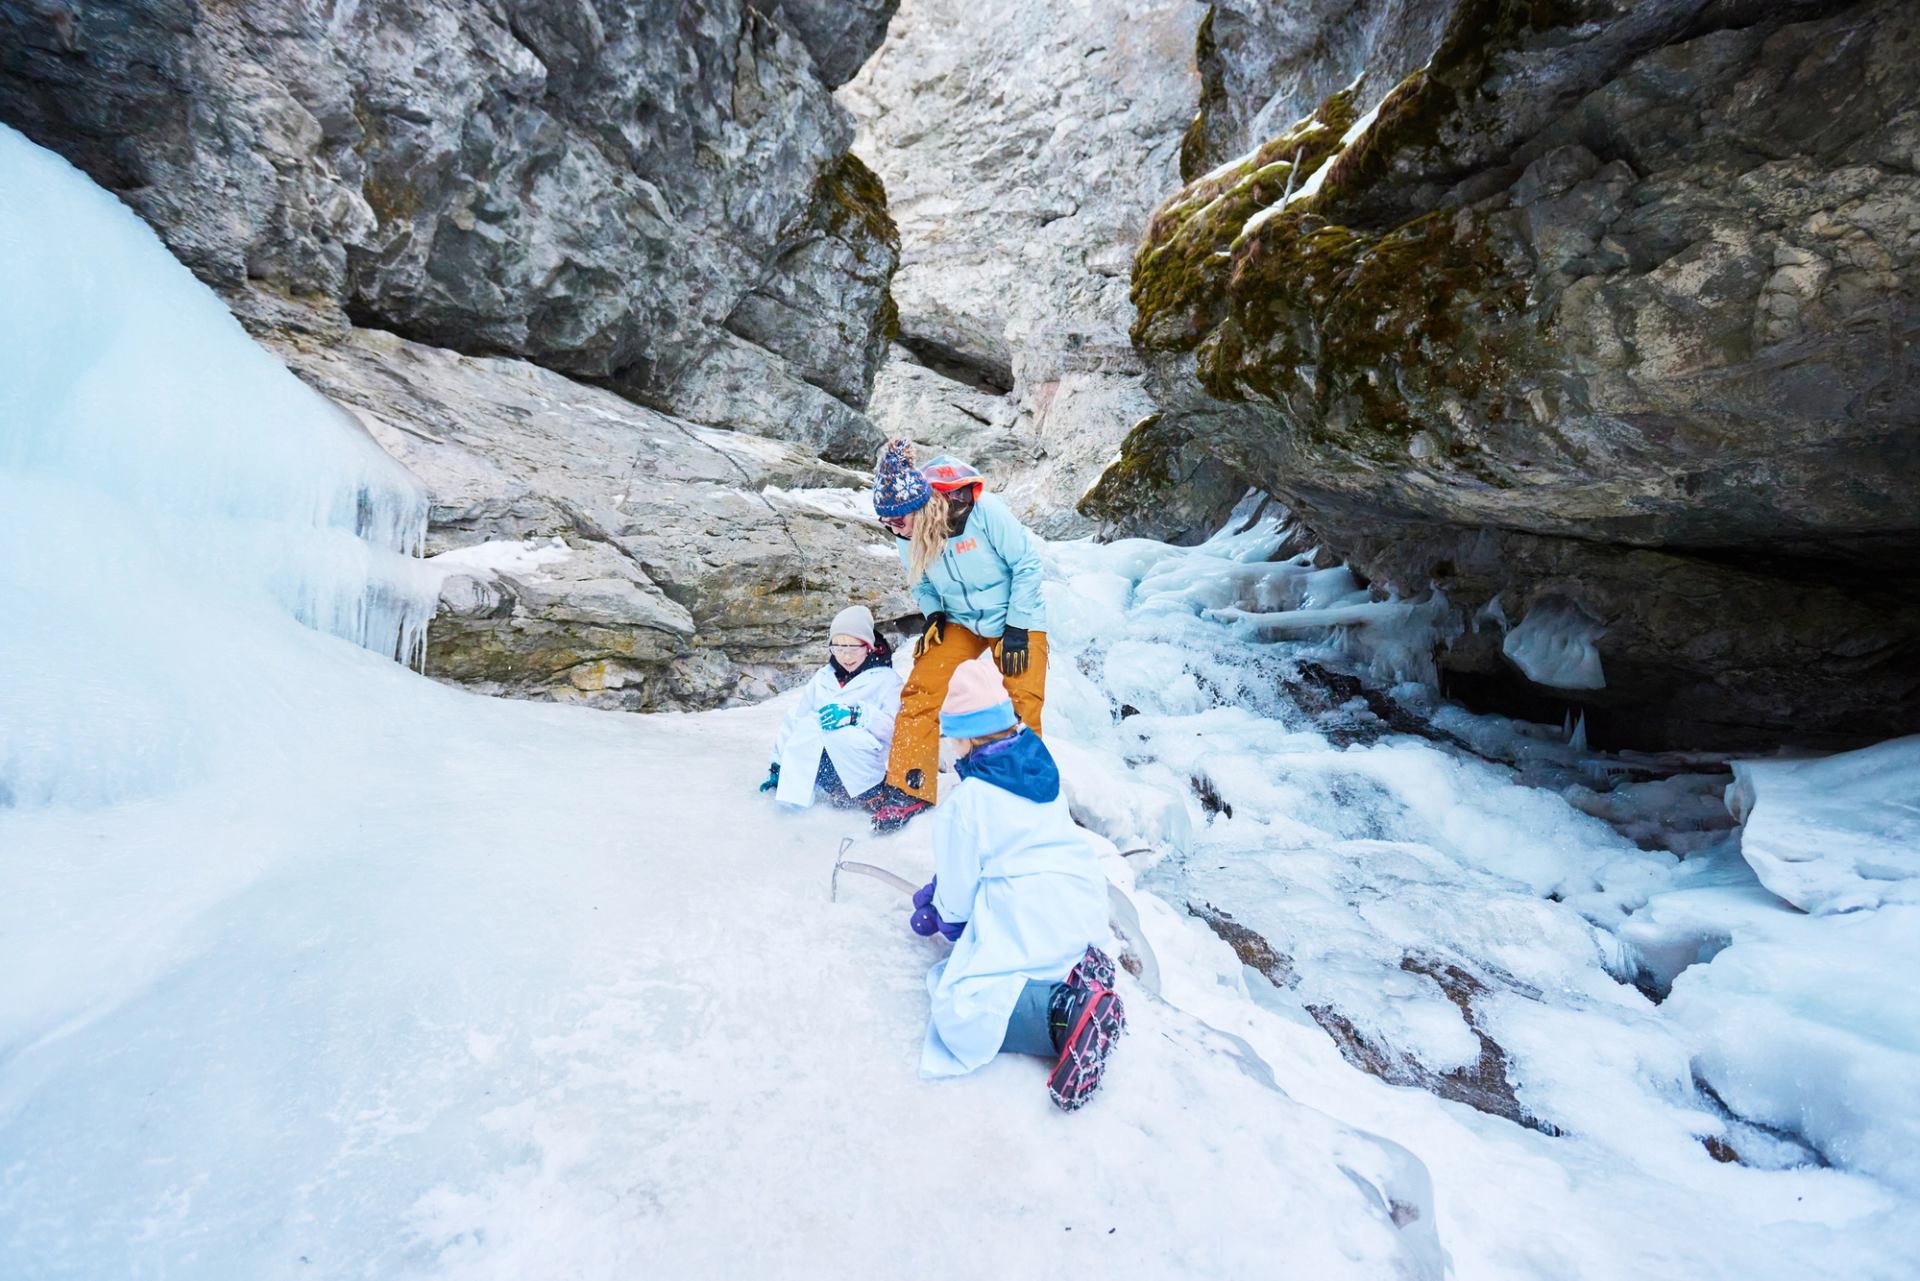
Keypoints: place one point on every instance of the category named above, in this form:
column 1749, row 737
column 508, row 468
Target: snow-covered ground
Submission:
column 316, row 968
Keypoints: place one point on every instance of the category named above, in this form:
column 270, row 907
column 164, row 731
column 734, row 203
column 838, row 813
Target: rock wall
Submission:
column 599, row 552
column 1263, row 66
column 1023, row 145
column 1610, row 311
column 453, row 218
column 626, row 191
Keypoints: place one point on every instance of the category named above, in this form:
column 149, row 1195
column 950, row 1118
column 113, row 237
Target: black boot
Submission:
column 1085, row 1019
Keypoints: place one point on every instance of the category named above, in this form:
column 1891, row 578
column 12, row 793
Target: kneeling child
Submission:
column 1018, row 890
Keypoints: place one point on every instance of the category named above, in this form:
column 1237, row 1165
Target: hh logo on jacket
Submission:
column 966, row 545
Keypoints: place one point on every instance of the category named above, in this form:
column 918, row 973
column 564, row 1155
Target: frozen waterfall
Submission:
column 165, row 487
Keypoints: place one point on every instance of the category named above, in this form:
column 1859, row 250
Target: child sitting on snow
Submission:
column 1018, row 891
column 836, row 738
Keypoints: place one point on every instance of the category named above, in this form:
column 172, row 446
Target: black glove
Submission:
column 1013, row 651
column 935, row 633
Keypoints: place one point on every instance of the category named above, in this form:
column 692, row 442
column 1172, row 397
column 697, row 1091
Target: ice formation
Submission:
column 1835, row 834
column 163, row 483
column 1429, row 903
column 1554, row 645
column 1805, row 1020
column 316, row 968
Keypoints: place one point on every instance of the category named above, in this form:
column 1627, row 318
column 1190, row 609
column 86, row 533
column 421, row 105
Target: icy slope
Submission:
column 165, row 487
column 527, row 992
column 1835, row 834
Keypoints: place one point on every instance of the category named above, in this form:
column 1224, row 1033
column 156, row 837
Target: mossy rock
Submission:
column 1181, row 271
column 1362, row 339
column 854, row 200
column 1145, row 466
column 1163, row 485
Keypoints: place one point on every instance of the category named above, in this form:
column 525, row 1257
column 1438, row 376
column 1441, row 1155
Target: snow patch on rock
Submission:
column 1835, row 834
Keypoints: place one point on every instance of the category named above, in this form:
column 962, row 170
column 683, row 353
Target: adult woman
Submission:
column 975, row 573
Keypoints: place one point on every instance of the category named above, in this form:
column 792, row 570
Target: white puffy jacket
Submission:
column 858, row 752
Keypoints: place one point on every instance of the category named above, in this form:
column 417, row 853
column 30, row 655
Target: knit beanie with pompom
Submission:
column 898, row 487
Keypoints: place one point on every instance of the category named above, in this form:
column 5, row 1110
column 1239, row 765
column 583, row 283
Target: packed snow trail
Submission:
column 331, row 971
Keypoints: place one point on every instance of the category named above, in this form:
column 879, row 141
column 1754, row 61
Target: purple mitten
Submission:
column 926, row 920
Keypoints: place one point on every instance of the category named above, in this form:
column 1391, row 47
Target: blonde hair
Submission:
column 929, row 537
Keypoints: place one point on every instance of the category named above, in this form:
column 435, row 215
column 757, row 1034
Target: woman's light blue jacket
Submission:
column 988, row 577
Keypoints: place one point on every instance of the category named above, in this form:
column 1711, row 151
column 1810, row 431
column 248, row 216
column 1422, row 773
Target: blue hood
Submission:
column 1021, row 765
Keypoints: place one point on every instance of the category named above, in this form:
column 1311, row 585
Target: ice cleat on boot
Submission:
column 1085, row 1019
column 1094, row 967
column 892, row 808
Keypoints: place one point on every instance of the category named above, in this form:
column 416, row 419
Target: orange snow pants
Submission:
column 916, row 733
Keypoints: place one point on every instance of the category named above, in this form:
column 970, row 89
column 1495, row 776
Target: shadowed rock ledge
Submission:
column 1609, row 313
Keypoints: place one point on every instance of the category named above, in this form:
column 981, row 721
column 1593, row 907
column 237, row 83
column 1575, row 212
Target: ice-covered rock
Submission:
column 1837, row 833
column 1809, row 1026
column 1554, row 646
column 1430, row 910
